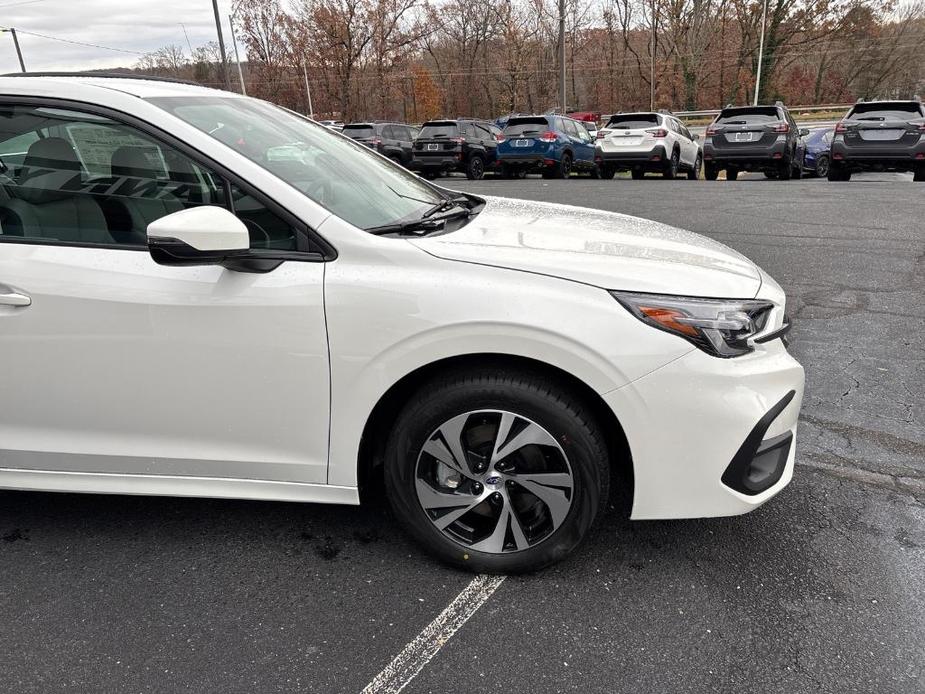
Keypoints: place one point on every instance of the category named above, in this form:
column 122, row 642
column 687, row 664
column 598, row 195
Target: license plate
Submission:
column 882, row 135
column 433, row 147
column 741, row 137
column 523, row 143
column 627, row 140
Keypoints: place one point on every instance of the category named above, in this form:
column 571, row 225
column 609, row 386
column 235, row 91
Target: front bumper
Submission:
column 687, row 422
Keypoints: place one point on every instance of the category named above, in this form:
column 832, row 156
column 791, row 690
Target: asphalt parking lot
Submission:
column 820, row 590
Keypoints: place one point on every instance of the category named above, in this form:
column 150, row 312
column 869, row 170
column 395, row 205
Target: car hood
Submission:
column 605, row 249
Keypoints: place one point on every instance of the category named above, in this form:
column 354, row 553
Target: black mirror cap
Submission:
column 176, row 253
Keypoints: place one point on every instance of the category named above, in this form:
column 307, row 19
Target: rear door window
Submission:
column 359, row 130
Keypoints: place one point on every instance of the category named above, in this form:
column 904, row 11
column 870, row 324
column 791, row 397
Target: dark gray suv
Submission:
column 394, row 140
column 880, row 136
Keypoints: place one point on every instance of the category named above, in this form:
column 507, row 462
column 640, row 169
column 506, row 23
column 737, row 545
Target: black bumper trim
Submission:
column 739, row 474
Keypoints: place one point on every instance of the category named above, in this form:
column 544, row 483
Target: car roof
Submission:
column 143, row 87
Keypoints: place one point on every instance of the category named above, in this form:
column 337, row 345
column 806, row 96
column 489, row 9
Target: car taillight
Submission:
column 601, row 134
column 711, row 130
column 782, row 128
column 658, row 132
column 458, row 140
column 920, row 126
column 375, row 142
column 500, row 137
column 548, row 136
column 840, row 128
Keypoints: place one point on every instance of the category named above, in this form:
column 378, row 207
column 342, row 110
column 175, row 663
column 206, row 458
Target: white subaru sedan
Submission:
column 202, row 294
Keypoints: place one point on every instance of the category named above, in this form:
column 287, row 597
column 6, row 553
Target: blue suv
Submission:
column 552, row 145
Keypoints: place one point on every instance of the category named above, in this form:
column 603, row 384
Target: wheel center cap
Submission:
column 493, row 480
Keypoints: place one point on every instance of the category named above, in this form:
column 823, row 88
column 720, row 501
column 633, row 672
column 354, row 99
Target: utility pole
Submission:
column 652, row 61
column 764, row 17
column 237, row 59
column 562, row 108
column 308, row 91
column 221, row 45
column 11, row 30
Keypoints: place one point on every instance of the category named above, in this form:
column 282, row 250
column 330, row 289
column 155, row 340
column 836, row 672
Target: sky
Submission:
column 133, row 26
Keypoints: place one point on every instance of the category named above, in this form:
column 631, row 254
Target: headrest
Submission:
column 131, row 161
column 51, row 171
column 52, row 153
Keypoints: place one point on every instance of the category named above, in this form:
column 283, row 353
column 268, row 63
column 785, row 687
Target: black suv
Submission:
column 754, row 138
column 880, row 136
column 466, row 145
column 394, row 140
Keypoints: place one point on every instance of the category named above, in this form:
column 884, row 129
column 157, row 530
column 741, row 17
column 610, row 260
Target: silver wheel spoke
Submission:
column 446, row 446
column 547, row 479
column 531, row 434
column 443, row 521
column 555, row 499
column 520, row 539
column 495, row 541
column 432, row 499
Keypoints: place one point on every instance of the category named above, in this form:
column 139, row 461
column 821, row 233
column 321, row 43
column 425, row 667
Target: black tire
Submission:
column 837, row 172
column 822, row 166
column 694, row 174
column 796, row 172
column 475, row 169
column 533, row 396
column 710, row 172
column 770, row 175
column 732, row 174
column 609, row 171
column 919, row 174
column 670, row 172
column 638, row 174
column 564, row 167
column 596, row 172
column 785, row 170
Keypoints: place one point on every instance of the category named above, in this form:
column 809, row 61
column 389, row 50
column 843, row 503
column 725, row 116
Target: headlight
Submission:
column 721, row 327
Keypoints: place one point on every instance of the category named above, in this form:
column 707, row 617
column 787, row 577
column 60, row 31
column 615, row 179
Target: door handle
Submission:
column 12, row 297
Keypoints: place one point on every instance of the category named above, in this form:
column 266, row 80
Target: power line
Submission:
column 79, row 43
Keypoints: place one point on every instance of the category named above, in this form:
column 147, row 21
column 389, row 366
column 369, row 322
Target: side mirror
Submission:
column 206, row 235
column 696, row 137
column 804, row 132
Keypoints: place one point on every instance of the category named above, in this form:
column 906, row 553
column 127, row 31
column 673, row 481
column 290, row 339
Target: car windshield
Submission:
column 343, row 176
column 631, row 121
column 526, row 126
column 439, row 130
column 359, row 130
column 752, row 116
column 885, row 112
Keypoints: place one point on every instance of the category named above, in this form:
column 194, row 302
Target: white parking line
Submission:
column 413, row 657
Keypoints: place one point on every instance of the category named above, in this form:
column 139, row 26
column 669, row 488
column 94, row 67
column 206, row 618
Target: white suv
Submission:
column 642, row 142
column 202, row 294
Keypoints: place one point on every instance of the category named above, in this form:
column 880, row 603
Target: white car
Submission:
column 648, row 142
column 183, row 314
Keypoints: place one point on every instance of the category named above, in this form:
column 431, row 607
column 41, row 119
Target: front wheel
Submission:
column 671, row 168
column 564, row 169
column 822, row 166
column 694, row 173
column 475, row 169
column 497, row 472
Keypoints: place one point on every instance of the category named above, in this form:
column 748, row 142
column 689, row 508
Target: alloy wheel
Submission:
column 494, row 481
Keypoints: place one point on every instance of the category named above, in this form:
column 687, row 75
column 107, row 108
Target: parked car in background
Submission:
column 880, row 136
column 818, row 155
column 393, row 140
column 753, row 138
column 589, row 119
column 332, row 124
column 555, row 146
column 648, row 142
column 467, row 145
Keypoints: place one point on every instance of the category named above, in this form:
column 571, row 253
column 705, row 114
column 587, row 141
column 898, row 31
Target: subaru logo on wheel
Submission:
column 493, row 480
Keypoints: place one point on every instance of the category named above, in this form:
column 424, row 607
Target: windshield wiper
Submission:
column 448, row 204
column 421, row 226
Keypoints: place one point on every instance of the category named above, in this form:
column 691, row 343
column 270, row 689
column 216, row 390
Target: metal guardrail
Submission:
column 794, row 109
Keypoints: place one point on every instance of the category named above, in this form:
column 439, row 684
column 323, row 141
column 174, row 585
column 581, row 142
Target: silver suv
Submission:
column 641, row 142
